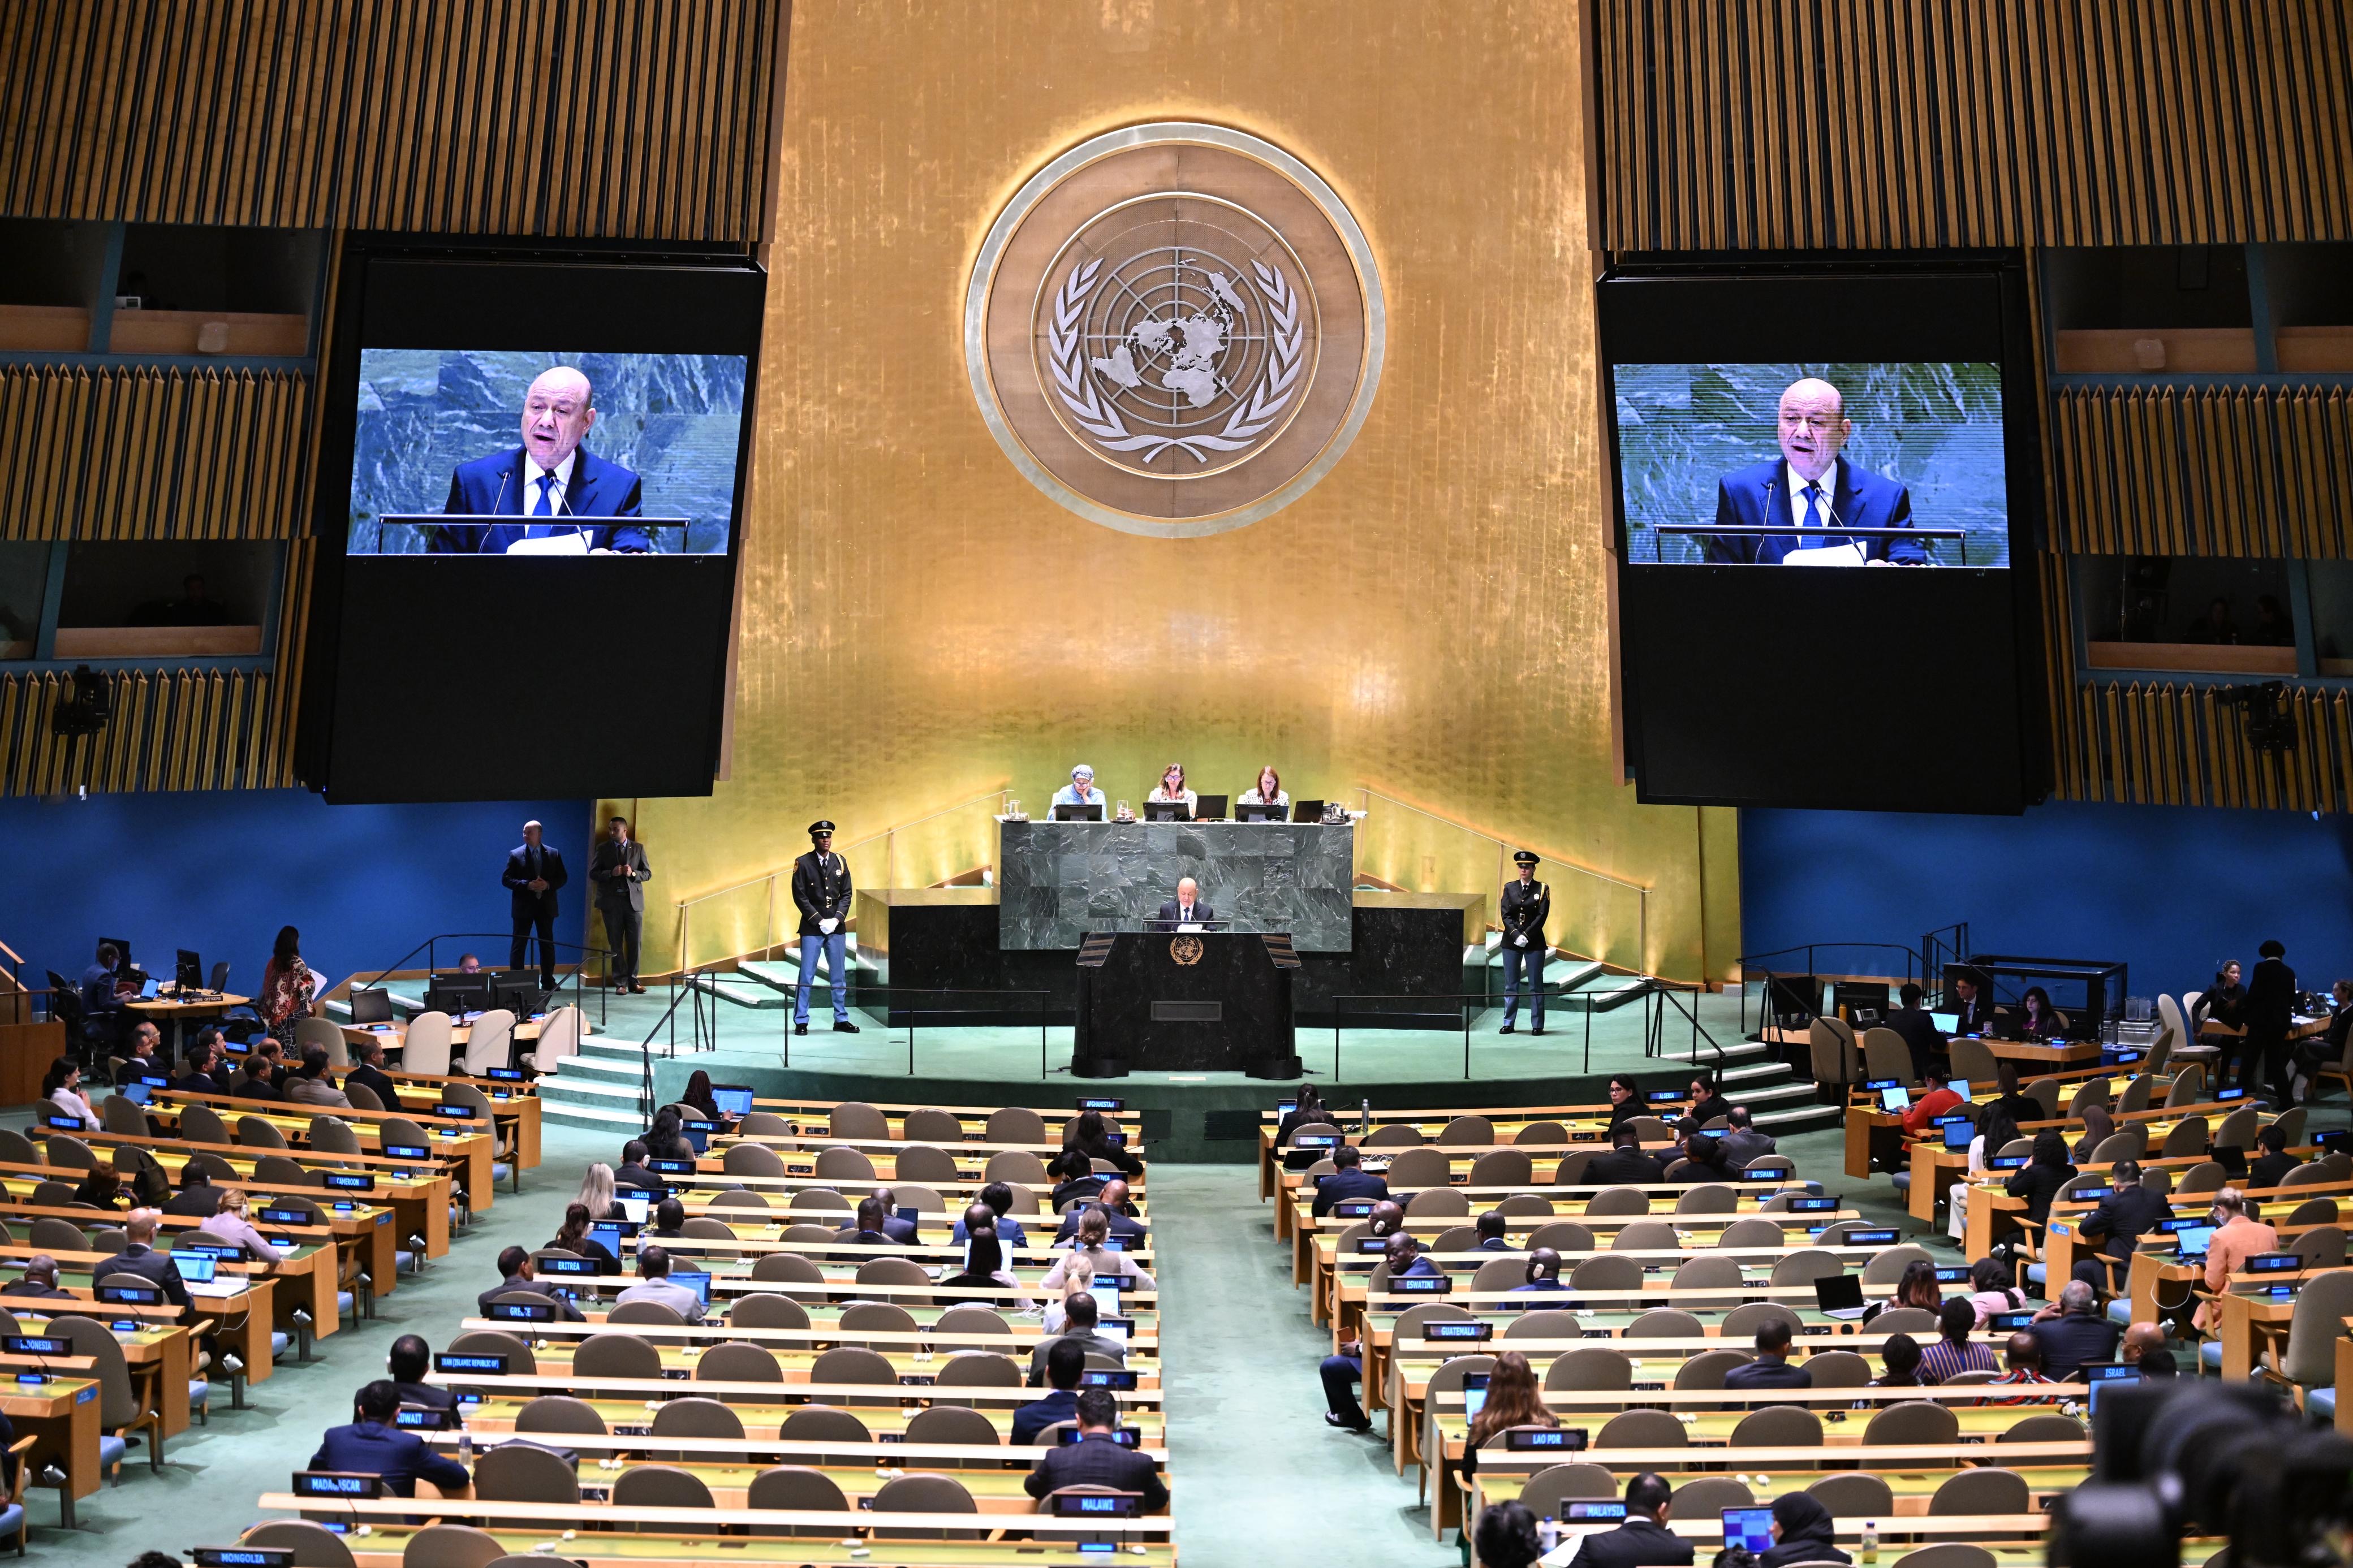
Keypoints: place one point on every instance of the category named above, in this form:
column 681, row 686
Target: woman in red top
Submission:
column 286, row 982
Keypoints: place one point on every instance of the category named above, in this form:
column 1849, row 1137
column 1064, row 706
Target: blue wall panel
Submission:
column 220, row 872
column 2168, row 890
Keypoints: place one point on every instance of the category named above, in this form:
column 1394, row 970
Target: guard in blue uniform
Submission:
column 821, row 891
column 1526, row 904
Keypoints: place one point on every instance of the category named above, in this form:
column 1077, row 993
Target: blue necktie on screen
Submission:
column 541, row 508
column 1813, row 518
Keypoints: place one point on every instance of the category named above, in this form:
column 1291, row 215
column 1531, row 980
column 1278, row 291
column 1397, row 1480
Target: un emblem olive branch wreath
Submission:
column 1100, row 417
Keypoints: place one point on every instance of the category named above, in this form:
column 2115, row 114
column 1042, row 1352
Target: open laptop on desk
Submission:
column 1839, row 1295
column 199, row 1272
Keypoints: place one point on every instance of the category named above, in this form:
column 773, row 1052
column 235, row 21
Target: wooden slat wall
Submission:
column 142, row 453
column 2164, row 744
column 643, row 118
column 1832, row 124
column 2244, row 470
column 182, row 730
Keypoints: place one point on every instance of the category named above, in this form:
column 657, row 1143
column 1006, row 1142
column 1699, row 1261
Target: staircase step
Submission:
column 591, row 1116
column 743, row 994
column 587, row 1091
column 1705, row 1054
column 776, row 973
column 1798, row 1119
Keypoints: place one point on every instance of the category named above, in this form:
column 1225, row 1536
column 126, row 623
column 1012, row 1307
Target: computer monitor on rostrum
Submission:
column 1307, row 811
column 1166, row 811
column 1209, row 808
column 188, row 972
column 1068, row 813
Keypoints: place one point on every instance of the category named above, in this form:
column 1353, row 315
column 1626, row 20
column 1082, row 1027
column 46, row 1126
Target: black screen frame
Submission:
column 644, row 647
column 1961, row 728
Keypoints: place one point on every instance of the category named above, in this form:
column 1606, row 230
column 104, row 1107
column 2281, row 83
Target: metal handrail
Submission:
column 1911, row 957
column 888, row 837
column 579, row 971
column 1503, row 848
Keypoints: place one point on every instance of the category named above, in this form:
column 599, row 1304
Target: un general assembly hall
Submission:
column 1658, row 692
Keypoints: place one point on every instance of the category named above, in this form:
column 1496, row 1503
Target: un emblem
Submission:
column 1175, row 330
column 1186, row 950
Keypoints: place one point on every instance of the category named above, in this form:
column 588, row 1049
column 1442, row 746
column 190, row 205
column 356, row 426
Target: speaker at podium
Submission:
column 1185, row 1001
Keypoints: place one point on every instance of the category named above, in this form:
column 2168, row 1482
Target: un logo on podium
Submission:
column 1185, row 949
column 1174, row 329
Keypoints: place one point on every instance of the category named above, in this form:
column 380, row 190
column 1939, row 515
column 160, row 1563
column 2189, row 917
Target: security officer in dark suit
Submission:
column 534, row 871
column 2124, row 1216
column 1349, row 1181
column 373, row 1446
column 1097, row 1458
column 618, row 871
column 1526, row 905
column 821, row 892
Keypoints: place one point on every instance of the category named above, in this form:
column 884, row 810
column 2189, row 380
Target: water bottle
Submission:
column 1870, row 1552
column 1365, row 1126
column 1548, row 1533
column 466, row 1447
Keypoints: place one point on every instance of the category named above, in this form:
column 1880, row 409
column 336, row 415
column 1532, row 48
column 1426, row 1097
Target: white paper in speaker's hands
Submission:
column 561, row 544
column 1828, row 555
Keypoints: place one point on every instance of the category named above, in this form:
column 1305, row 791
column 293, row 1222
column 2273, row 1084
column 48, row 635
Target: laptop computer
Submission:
column 694, row 1279
column 2192, row 1241
column 1897, row 1099
column 1751, row 1528
column 1960, row 1134
column 1307, row 811
column 1839, row 1295
column 732, row 1098
column 1066, row 813
column 371, row 1005
column 1959, row 1086
column 1945, row 1022
column 134, row 1092
column 633, row 1210
column 1474, row 1395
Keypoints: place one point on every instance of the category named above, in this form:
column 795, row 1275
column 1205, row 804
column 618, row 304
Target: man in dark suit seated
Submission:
column 2124, row 1216
column 1113, row 1201
column 1809, row 486
column 2271, row 1167
column 872, row 1215
column 1492, row 1239
column 1920, row 1037
column 1627, row 1163
column 632, row 1171
column 515, row 1276
column 1080, row 1314
column 1972, row 1007
column 2071, row 1332
column 1741, row 1142
column 1097, row 1458
column 545, row 483
column 253, row 1081
column 373, row 1446
column 39, row 1279
column 408, row 1359
column 1543, row 1272
column 669, row 1220
column 1349, row 1181
column 1065, row 1361
column 1772, row 1368
column 1187, row 908
column 195, row 1070
column 369, row 1074
column 901, row 1231
column 106, row 992
column 140, row 1258
column 1644, row 1539
column 998, row 1199
column 197, row 1197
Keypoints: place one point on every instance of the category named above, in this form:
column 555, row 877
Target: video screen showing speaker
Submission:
column 468, row 451
column 529, row 510
column 1877, row 417
column 1894, row 463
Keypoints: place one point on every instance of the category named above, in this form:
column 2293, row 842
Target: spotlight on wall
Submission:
column 83, row 708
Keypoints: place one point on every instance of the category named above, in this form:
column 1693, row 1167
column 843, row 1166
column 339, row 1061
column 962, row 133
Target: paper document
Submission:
column 561, row 544
column 1188, row 925
column 1828, row 555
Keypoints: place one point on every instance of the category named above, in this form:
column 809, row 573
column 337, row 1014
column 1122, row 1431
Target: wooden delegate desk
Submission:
column 365, row 1234
column 464, row 1143
column 995, row 1491
column 166, row 1011
column 824, row 1330
column 386, row 1546
column 1297, row 1197
column 513, row 1103
column 1992, row 1210
column 245, row 1317
column 1587, row 1126
column 626, row 1406
column 62, row 1417
column 160, row 1356
column 419, row 1204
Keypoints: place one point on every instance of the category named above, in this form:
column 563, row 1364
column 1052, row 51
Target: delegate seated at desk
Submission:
column 1171, row 789
column 1268, row 791
column 373, row 1446
column 1081, row 791
column 1186, row 908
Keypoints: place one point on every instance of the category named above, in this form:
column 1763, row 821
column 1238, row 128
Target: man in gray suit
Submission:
column 619, row 873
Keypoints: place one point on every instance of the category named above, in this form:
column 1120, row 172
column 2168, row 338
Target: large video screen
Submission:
column 1872, row 415
column 529, row 519
column 524, row 453
column 1888, row 464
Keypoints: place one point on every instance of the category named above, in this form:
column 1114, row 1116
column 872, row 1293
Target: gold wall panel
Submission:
column 921, row 625
column 1740, row 124
column 636, row 118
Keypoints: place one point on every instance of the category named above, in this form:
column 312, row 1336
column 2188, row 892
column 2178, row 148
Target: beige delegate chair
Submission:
column 428, row 1046
column 559, row 1036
